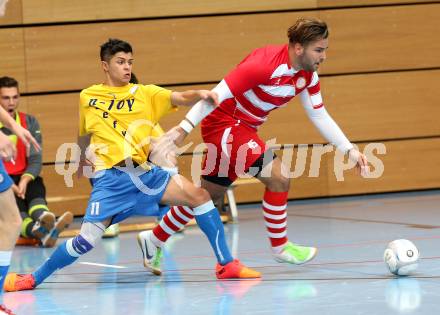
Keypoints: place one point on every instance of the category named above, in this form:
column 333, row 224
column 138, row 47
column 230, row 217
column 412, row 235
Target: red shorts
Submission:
column 232, row 148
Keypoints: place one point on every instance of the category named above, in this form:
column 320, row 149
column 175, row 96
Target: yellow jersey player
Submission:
column 117, row 118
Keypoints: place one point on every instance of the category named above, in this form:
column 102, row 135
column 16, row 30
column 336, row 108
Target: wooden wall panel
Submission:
column 11, row 12
column 12, row 56
column 322, row 4
column 386, row 105
column 49, row 11
column 62, row 198
column 375, row 39
column 181, row 50
column 45, row 11
column 58, row 117
column 365, row 107
column 166, row 51
column 408, row 165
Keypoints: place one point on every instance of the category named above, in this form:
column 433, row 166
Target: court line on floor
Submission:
column 101, row 265
column 310, row 216
column 357, row 262
column 243, row 253
column 121, row 264
column 163, row 280
column 412, row 225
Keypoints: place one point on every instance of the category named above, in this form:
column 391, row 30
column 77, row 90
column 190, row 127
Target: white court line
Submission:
column 102, row 265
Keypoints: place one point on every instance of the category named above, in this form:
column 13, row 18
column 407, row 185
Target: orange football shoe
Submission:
column 235, row 270
column 16, row 282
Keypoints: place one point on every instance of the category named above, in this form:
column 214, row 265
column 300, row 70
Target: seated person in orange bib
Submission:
column 117, row 118
column 265, row 80
column 39, row 224
column 10, row 220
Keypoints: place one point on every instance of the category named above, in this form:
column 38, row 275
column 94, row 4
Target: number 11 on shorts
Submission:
column 95, row 208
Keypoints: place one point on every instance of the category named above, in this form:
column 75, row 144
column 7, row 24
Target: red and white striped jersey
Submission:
column 265, row 81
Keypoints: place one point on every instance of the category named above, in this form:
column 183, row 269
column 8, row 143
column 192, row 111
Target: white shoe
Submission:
column 61, row 224
column 296, row 254
column 111, row 231
column 43, row 225
column 152, row 255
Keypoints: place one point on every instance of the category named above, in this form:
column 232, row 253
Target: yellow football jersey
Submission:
column 121, row 120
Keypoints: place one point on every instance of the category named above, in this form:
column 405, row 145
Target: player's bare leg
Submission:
column 217, row 192
column 10, row 223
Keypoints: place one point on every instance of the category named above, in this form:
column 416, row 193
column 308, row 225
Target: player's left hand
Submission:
column 360, row 160
column 22, row 186
column 175, row 134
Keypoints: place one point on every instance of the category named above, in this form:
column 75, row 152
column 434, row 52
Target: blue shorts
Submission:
column 5, row 180
column 119, row 194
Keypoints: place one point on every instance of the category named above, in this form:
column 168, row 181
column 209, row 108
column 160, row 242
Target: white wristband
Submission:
column 185, row 125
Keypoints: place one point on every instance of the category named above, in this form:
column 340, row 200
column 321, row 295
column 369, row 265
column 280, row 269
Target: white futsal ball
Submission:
column 401, row 257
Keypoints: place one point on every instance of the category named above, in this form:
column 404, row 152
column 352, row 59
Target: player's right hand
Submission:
column 177, row 135
column 163, row 151
column 26, row 137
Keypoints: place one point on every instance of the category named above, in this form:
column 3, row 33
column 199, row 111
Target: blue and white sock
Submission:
column 65, row 254
column 209, row 221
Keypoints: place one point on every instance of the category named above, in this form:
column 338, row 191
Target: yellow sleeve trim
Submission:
column 30, row 175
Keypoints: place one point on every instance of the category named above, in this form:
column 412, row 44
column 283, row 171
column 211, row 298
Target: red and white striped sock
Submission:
column 174, row 220
column 275, row 217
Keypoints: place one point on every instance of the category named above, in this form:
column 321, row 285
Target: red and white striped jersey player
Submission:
column 265, row 80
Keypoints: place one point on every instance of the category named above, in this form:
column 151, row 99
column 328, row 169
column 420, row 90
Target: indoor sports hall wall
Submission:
column 380, row 81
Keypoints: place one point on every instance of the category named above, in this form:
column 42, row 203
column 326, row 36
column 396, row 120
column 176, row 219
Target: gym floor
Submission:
column 348, row 275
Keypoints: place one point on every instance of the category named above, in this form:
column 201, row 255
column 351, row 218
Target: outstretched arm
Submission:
column 198, row 112
column 331, row 131
column 23, row 134
column 191, row 97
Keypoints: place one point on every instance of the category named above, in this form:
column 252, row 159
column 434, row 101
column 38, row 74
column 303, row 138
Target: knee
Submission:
column 279, row 184
column 15, row 222
column 79, row 245
column 9, row 229
column 85, row 241
column 12, row 227
column 217, row 196
column 198, row 197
